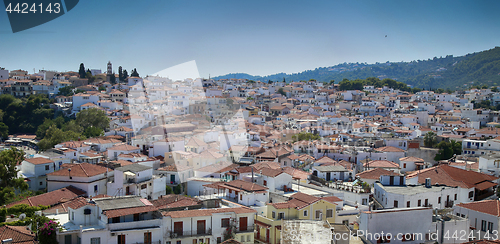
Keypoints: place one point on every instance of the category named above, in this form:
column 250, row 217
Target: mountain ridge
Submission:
column 478, row 68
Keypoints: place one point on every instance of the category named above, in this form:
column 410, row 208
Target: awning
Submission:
column 485, row 185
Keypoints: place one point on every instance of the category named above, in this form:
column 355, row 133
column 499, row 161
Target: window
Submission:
column 116, row 220
column 144, row 186
column 47, row 167
column 305, row 213
column 281, row 215
column 274, row 215
column 329, row 213
column 490, row 227
column 265, row 182
column 483, row 225
column 241, row 197
column 455, row 197
column 41, row 183
column 225, row 222
column 404, row 165
column 179, row 242
column 439, row 199
column 219, row 239
column 72, row 215
column 248, row 238
column 471, row 194
column 95, row 240
column 395, row 204
column 95, row 188
column 408, row 204
column 318, row 214
column 419, row 203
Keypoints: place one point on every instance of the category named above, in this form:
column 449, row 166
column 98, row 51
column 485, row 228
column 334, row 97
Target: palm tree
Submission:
column 430, row 139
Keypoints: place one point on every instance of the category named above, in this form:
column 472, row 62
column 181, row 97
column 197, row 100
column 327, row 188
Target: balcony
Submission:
column 135, row 225
column 448, row 204
column 193, row 233
column 247, row 230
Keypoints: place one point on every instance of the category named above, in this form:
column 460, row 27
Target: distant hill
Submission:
column 443, row 72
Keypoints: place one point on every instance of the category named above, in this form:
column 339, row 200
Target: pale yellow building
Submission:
column 301, row 207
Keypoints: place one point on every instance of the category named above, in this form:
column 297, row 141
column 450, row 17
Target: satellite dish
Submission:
column 22, row 216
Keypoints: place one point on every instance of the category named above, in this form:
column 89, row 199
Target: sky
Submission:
column 255, row 37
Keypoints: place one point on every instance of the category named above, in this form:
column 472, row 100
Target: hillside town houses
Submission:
column 211, row 161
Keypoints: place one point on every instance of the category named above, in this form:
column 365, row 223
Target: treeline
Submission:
column 88, row 123
column 23, row 115
column 439, row 72
column 358, row 84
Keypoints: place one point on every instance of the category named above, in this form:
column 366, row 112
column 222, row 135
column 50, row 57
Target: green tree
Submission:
column 168, row 189
column 55, row 136
column 66, row 91
column 82, row 71
column 134, row 73
column 92, row 117
column 90, row 77
column 47, row 232
column 120, row 73
column 4, row 131
column 430, row 139
column 9, row 182
column 304, row 136
column 281, row 91
column 93, row 132
column 448, row 149
column 125, row 74
column 494, row 89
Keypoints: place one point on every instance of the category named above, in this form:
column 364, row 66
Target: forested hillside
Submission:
column 482, row 68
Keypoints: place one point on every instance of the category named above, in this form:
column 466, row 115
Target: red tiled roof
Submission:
column 174, row 201
column 129, row 211
column 51, row 198
column 381, row 164
column 411, row 159
column 332, row 199
column 80, row 170
column 389, row 149
column 491, row 207
column 19, row 234
column 375, row 173
column 451, row 176
column 39, row 160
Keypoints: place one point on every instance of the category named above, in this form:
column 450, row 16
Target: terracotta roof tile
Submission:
column 19, row 234
column 51, row 198
column 375, row 174
column 39, row 160
column 129, row 211
column 491, row 207
column 80, row 170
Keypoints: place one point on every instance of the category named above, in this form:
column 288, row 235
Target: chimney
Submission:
column 428, row 182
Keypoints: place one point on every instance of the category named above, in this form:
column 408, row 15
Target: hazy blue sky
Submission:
column 253, row 36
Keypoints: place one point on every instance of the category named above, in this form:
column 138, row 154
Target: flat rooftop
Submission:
column 412, row 190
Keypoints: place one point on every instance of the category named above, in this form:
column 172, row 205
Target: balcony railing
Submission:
column 179, row 234
column 248, row 229
column 151, row 242
column 448, row 204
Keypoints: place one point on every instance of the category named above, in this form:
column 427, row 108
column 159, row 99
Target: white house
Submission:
column 273, row 179
column 136, row 179
column 209, row 225
column 89, row 177
column 35, row 170
column 484, row 217
column 116, row 150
